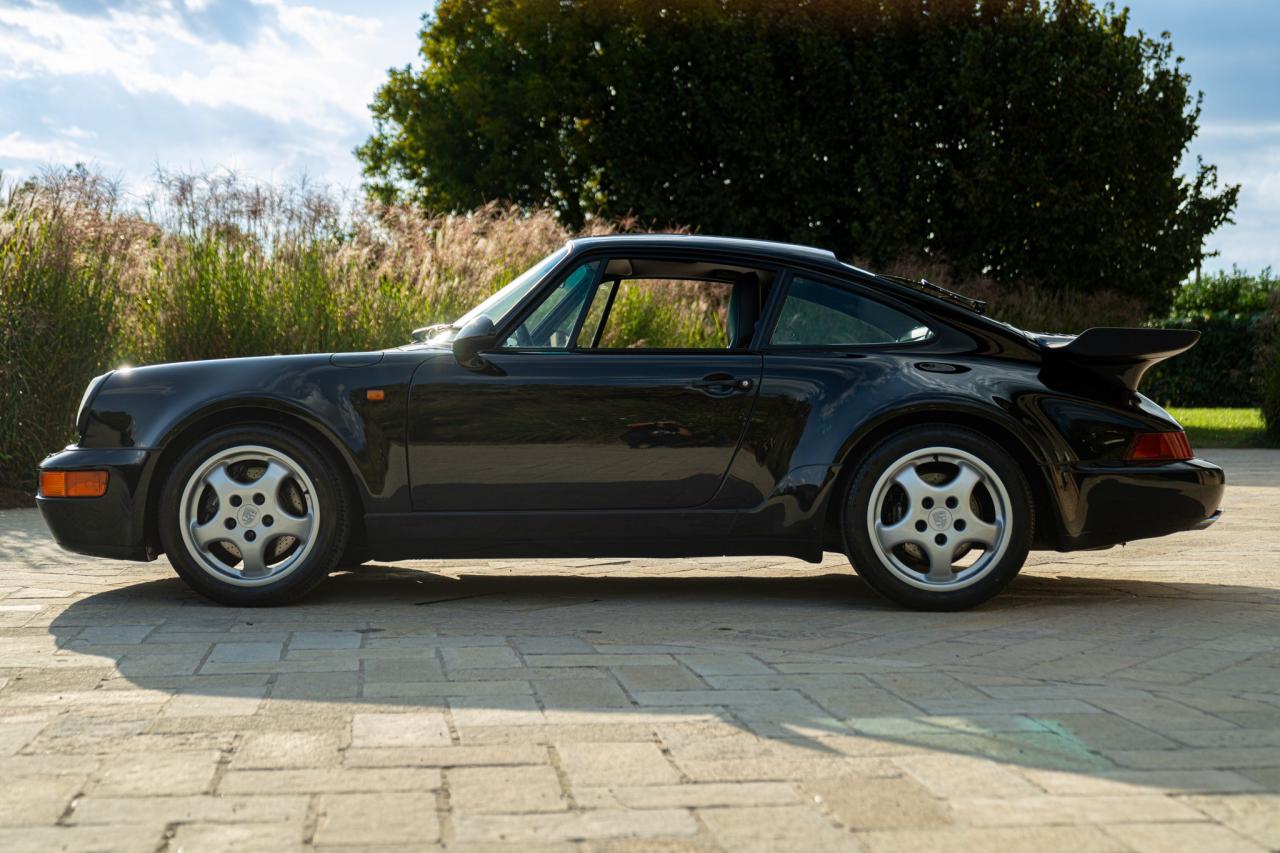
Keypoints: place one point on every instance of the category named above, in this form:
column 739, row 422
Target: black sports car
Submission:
column 810, row 406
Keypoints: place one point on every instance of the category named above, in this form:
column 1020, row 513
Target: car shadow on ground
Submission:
column 814, row 664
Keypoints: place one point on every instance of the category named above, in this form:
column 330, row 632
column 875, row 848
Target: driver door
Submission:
column 562, row 418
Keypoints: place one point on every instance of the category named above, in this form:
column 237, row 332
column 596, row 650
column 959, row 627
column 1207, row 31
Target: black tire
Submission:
column 886, row 577
column 330, row 533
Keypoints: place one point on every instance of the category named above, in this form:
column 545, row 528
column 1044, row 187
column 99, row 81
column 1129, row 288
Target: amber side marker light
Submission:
column 375, row 395
column 73, row 484
column 1159, row 447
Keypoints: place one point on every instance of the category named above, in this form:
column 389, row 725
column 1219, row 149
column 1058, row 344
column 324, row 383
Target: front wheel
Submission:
column 938, row 518
column 254, row 516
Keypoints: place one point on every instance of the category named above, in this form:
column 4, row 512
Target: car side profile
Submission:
column 801, row 405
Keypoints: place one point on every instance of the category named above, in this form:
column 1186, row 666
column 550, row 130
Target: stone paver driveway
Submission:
column 1118, row 700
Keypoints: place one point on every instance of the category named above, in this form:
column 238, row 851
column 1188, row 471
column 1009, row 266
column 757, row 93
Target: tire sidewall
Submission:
column 331, row 533
column 868, row 564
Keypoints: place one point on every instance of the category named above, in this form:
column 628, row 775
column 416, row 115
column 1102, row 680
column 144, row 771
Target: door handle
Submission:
column 722, row 384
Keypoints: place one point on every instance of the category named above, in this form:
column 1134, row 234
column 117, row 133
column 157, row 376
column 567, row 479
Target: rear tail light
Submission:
column 1159, row 447
column 73, row 484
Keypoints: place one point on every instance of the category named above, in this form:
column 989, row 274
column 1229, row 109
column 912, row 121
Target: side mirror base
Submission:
column 473, row 339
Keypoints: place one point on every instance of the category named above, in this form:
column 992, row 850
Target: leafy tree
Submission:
column 1016, row 139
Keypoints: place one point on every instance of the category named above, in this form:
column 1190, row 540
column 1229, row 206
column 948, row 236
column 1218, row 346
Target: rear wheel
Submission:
column 254, row 516
column 938, row 518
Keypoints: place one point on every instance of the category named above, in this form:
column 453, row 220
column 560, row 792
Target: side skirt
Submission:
column 582, row 533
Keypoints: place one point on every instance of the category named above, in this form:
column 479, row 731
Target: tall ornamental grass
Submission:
column 61, row 263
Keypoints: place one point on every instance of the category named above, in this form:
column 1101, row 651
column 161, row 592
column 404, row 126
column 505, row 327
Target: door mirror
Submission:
column 473, row 339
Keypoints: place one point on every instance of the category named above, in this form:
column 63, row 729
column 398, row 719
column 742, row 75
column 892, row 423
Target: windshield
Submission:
column 499, row 304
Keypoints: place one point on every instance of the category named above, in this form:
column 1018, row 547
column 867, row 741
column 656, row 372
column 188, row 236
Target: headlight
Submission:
column 82, row 413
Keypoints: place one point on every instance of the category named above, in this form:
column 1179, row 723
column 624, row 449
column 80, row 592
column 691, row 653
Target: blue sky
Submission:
column 278, row 88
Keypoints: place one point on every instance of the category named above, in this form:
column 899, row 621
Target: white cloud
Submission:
column 17, row 146
column 300, row 64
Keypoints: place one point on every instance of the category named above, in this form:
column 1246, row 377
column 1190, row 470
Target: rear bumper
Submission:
column 113, row 525
column 1108, row 505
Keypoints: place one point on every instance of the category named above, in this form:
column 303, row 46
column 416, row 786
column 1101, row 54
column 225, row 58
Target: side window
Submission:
column 819, row 314
column 552, row 323
column 665, row 314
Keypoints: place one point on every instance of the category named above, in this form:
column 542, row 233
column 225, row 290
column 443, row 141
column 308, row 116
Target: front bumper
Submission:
column 1107, row 505
column 113, row 525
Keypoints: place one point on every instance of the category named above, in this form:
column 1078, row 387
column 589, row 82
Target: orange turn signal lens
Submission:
column 73, row 484
column 1159, row 447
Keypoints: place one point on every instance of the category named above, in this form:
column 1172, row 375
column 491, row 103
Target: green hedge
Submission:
column 1218, row 371
column 1222, row 369
column 1267, row 366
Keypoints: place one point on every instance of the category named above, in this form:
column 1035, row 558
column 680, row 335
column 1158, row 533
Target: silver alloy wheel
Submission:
column 931, row 509
column 249, row 515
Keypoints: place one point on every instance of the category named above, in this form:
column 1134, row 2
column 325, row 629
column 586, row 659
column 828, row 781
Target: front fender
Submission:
column 158, row 407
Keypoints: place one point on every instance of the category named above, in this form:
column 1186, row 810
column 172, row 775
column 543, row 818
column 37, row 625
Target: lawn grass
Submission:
column 1209, row 428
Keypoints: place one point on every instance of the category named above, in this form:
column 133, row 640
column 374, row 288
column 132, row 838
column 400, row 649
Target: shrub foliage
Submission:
column 1021, row 140
column 1221, row 370
column 1268, row 365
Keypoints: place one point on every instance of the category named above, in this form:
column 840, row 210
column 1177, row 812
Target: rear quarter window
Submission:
column 815, row 313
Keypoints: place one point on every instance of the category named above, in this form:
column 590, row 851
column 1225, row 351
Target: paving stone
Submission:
column 329, row 780
column 1077, row 839
column 550, row 645
column 1143, row 781
column 953, row 776
column 369, row 820
column 447, row 756
column 324, row 640
column 723, row 664
column 561, row 693
column 158, row 773
column 891, row 803
column 261, row 750
column 1255, row 816
column 671, row 677
column 217, row 702
column 316, row 685
column 505, row 790
column 1048, row 810
column 400, row 730
column 114, row 634
column 572, row 826
column 236, row 838
column 481, row 657
column 37, row 799
column 117, row 838
column 1182, row 838
column 245, row 652
column 772, row 828
column 472, row 711
column 261, row 808
column 398, row 670
column 575, row 660
column 1190, row 759
column 445, row 689
column 1102, row 731
column 706, row 795
column 616, row 763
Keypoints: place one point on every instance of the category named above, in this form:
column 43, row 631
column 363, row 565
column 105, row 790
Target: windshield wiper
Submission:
column 426, row 333
column 924, row 286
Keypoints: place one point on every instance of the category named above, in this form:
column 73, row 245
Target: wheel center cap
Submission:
column 248, row 515
column 940, row 519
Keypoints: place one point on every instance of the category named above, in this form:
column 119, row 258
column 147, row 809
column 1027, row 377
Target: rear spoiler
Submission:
column 1118, row 355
